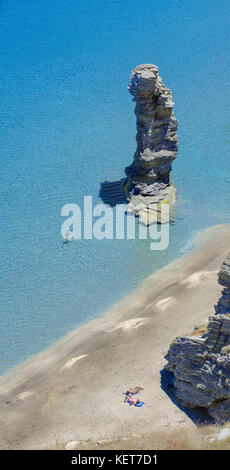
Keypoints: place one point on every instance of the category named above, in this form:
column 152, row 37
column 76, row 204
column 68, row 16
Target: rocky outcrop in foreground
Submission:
column 148, row 185
column 201, row 366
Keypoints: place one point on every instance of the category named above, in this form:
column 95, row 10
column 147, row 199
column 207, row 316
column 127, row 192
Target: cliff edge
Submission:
column 201, row 365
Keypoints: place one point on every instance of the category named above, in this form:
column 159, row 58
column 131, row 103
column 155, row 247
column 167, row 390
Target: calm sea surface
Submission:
column 67, row 124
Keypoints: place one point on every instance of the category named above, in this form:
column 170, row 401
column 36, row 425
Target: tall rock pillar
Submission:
column 148, row 184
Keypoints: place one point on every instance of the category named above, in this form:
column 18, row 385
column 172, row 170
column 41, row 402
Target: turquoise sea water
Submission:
column 67, row 124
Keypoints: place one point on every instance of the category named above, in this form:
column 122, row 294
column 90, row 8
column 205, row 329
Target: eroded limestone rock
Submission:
column 201, row 366
column 148, row 185
column 223, row 306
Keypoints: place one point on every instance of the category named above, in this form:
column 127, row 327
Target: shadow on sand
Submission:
column 112, row 193
column 199, row 416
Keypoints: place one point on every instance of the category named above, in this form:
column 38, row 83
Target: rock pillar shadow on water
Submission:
column 111, row 192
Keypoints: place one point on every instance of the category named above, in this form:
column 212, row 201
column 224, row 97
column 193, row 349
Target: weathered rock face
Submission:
column 201, row 366
column 148, row 183
column 223, row 305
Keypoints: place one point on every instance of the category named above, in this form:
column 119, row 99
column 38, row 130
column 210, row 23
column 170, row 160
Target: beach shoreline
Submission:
column 73, row 390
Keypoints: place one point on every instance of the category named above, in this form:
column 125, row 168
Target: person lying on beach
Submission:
column 131, row 400
column 134, row 390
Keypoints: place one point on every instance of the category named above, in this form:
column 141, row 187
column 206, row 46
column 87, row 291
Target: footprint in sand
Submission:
column 194, row 279
column 163, row 304
column 130, row 324
column 73, row 360
column 23, row 395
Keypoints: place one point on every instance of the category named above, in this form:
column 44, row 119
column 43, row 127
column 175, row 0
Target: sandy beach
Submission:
column 73, row 390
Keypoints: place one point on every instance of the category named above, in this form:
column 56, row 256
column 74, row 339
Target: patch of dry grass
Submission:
column 200, row 330
column 201, row 438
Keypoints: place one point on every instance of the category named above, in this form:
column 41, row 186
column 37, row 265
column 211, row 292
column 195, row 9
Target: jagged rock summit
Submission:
column 201, row 366
column 148, row 185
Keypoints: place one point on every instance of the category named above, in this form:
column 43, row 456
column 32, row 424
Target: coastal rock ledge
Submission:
column 201, row 365
column 148, row 185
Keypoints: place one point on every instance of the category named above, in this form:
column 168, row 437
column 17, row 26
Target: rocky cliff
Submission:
column 201, row 366
column 223, row 305
column 148, row 185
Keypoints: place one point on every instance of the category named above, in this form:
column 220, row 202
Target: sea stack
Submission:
column 201, row 365
column 148, row 184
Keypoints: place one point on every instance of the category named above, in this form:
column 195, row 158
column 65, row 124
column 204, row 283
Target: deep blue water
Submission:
column 67, row 124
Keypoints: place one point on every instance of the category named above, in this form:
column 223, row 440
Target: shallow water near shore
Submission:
column 67, row 125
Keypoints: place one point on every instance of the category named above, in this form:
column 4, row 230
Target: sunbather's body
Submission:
column 132, row 400
column 134, row 390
